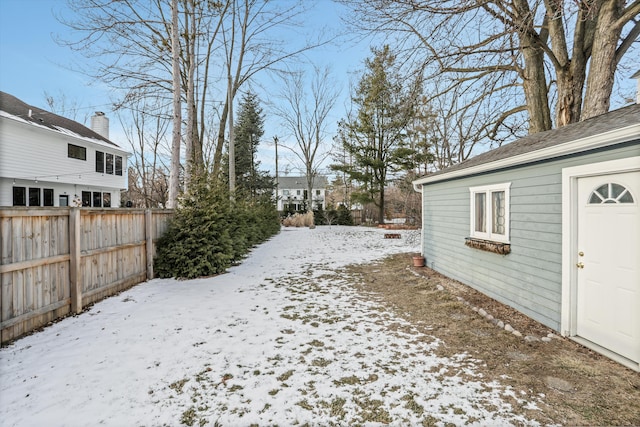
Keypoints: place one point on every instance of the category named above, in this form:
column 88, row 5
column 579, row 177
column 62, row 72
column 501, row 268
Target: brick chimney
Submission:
column 100, row 124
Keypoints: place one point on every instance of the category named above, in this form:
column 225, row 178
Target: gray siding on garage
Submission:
column 529, row 278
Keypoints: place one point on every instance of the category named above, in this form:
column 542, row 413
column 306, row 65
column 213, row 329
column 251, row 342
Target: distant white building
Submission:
column 49, row 160
column 292, row 192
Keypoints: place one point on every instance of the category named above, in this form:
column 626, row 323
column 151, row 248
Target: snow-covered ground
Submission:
column 281, row 339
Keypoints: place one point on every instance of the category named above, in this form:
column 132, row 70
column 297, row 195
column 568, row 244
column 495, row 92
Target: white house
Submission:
column 550, row 225
column 49, row 160
column 292, row 192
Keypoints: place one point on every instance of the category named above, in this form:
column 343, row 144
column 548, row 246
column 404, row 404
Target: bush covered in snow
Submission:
column 209, row 232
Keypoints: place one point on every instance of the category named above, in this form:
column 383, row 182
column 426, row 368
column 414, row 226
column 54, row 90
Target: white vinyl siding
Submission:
column 51, row 164
column 47, row 165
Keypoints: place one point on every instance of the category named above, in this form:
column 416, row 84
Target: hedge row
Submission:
column 209, row 232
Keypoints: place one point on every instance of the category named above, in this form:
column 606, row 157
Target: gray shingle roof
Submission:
column 300, row 182
column 613, row 120
column 14, row 106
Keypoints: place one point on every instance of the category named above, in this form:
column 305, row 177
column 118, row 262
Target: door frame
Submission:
column 568, row 308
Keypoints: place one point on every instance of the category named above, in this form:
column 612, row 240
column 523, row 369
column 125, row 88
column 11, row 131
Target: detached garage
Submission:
column 550, row 225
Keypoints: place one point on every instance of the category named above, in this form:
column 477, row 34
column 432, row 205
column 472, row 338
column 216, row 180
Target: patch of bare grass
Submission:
column 599, row 391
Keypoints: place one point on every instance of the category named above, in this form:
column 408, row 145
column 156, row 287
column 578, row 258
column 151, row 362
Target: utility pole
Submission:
column 252, row 178
column 232, row 144
column 275, row 141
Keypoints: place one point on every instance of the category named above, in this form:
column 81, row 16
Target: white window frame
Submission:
column 487, row 190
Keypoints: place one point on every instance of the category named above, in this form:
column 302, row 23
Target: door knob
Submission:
column 580, row 265
column 581, row 253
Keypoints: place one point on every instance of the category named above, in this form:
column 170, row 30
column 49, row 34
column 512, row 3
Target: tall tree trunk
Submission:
column 191, row 163
column 534, row 80
column 217, row 156
column 174, row 180
column 310, row 178
column 603, row 59
column 381, row 205
column 553, row 28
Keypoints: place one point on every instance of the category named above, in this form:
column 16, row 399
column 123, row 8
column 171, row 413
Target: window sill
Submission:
column 487, row 245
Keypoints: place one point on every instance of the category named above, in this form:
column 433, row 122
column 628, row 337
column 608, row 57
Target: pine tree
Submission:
column 248, row 130
column 198, row 241
column 374, row 140
column 210, row 232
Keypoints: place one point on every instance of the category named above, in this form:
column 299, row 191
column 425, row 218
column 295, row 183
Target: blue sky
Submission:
column 32, row 63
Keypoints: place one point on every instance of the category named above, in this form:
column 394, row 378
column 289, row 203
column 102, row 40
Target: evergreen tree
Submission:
column 198, row 241
column 248, row 130
column 209, row 232
column 344, row 216
column 374, row 139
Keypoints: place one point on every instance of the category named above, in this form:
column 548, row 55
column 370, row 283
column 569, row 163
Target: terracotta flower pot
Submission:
column 418, row 261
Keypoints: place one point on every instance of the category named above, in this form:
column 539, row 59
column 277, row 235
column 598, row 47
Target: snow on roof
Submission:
column 15, row 109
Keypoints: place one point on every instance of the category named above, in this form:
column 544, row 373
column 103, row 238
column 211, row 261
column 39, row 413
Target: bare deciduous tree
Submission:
column 146, row 124
column 130, row 47
column 547, row 53
column 305, row 111
column 174, row 179
column 251, row 45
column 63, row 106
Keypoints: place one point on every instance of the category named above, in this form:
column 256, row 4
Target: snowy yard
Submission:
column 281, row 339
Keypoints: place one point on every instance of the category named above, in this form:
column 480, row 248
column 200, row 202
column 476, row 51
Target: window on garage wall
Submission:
column 490, row 212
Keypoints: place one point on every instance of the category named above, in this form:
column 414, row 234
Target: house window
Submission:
column 86, row 199
column 109, row 164
column 119, row 165
column 19, row 196
column 99, row 161
column 106, row 200
column 298, row 192
column 63, row 200
column 76, row 152
column 490, row 212
column 285, row 192
column 34, row 197
column 317, row 192
column 47, row 194
column 97, row 199
column 610, row 193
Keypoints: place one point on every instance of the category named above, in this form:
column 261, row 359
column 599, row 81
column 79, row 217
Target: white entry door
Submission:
column 608, row 262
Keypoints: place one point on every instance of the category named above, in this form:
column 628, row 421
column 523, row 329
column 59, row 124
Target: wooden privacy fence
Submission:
column 54, row 261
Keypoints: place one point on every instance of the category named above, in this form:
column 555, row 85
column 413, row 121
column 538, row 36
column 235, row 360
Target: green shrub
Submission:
column 319, row 216
column 344, row 216
column 209, row 232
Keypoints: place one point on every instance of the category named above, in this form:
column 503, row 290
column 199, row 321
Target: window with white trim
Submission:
column 490, row 212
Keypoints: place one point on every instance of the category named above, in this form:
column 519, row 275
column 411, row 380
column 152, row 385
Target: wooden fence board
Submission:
column 27, row 231
column 6, row 304
column 44, row 252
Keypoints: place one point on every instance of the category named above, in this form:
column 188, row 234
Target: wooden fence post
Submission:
column 74, row 260
column 148, row 225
